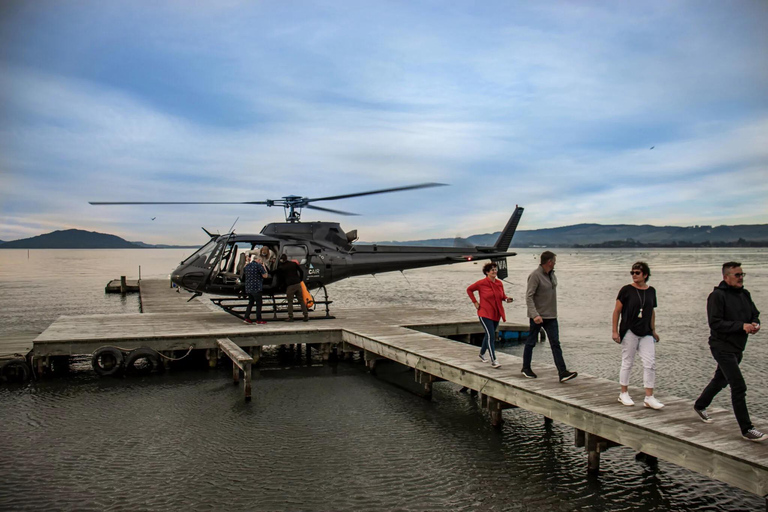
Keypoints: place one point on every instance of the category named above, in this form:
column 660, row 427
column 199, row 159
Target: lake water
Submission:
column 332, row 437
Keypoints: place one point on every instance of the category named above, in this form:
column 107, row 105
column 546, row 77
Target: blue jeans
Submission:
column 553, row 333
column 489, row 326
column 728, row 373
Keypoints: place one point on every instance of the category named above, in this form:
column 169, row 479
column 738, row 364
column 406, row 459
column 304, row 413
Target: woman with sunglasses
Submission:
column 637, row 332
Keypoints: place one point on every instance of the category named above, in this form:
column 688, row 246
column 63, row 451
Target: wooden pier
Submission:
column 416, row 338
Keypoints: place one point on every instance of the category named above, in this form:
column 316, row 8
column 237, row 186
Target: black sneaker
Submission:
column 528, row 373
column 705, row 417
column 754, row 435
column 566, row 375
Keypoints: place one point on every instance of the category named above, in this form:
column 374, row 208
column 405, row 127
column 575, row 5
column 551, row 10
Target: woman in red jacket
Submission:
column 489, row 308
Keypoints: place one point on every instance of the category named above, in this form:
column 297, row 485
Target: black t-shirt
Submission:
column 632, row 302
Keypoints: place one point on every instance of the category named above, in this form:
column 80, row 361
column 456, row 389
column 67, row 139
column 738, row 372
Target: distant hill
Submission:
column 163, row 246
column 71, row 239
column 620, row 235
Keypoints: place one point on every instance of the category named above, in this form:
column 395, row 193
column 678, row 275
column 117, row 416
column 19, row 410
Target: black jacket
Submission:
column 289, row 273
column 728, row 309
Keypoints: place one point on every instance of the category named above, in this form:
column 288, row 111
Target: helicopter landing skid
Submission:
column 274, row 305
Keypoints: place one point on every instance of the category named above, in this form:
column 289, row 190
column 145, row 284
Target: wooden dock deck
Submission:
column 413, row 337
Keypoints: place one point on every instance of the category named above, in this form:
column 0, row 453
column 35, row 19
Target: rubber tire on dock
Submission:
column 108, row 361
column 15, row 370
column 151, row 357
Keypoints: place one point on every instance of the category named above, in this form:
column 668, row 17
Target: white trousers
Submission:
column 646, row 347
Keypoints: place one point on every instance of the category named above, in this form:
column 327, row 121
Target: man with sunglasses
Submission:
column 732, row 318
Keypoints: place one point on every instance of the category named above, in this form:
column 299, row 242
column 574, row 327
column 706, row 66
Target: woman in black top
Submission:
column 637, row 332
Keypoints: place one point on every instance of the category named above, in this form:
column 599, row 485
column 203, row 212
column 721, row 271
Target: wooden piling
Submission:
column 241, row 361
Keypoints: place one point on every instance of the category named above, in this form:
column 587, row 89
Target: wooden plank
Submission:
column 238, row 355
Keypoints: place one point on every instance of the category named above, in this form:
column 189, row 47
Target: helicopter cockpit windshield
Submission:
column 201, row 257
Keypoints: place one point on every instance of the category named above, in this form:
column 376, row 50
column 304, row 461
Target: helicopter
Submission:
column 325, row 252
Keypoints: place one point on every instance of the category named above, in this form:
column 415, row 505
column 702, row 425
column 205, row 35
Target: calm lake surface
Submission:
column 332, row 437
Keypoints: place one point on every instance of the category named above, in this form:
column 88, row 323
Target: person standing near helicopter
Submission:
column 490, row 308
column 254, row 274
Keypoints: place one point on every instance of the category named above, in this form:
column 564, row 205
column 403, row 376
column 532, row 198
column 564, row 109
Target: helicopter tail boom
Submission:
column 505, row 238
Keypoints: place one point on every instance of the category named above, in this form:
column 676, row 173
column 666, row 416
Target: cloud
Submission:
column 551, row 106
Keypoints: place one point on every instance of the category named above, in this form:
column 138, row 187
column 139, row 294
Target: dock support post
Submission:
column 370, row 361
column 123, row 286
column 547, row 421
column 595, row 445
column 256, row 353
column 426, row 380
column 247, row 376
column 213, row 357
column 495, row 407
column 593, row 454
column 579, row 440
column 235, row 374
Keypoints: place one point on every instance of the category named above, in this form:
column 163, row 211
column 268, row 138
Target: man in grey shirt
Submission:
column 541, row 299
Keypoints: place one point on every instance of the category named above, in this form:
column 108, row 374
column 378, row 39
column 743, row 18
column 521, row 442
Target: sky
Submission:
column 554, row 106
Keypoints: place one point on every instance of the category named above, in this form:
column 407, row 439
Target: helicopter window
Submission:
column 215, row 254
column 200, row 256
column 296, row 252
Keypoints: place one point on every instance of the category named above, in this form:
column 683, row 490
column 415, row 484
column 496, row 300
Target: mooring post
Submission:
column 547, row 420
column 123, row 285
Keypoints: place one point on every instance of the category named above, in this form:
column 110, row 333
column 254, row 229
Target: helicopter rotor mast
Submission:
column 291, row 204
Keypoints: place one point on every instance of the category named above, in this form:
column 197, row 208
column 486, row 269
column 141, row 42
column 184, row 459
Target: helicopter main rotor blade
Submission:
column 171, row 202
column 382, row 191
column 329, row 210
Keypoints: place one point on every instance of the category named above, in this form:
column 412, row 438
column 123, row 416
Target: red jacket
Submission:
column 491, row 297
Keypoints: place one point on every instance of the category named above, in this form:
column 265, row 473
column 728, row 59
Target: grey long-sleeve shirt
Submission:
column 541, row 294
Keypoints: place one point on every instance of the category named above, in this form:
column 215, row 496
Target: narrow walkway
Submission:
column 412, row 337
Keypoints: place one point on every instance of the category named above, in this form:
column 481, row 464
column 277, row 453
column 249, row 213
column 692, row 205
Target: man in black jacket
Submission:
column 732, row 317
column 290, row 273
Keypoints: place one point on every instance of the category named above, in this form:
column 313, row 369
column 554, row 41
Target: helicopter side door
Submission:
column 311, row 264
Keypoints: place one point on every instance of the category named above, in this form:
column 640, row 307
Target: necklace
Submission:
column 642, row 303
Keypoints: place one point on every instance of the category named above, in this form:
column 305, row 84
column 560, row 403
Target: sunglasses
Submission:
column 636, row 272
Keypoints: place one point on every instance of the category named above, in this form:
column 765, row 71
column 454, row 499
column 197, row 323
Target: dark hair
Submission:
column 729, row 265
column 642, row 267
column 547, row 256
column 488, row 266
column 283, row 257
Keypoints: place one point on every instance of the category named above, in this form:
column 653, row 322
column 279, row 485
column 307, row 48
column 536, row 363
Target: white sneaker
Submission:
column 650, row 401
column 625, row 399
column 495, row 364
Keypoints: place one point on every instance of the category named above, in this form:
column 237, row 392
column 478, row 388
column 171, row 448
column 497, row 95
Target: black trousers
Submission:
column 728, row 373
column 254, row 298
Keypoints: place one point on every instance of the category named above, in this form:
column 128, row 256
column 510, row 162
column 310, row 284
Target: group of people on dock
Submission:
column 289, row 273
column 731, row 313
